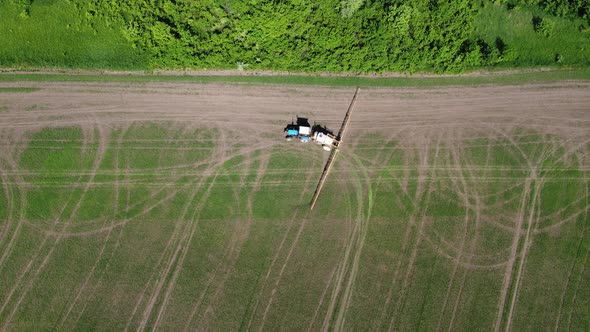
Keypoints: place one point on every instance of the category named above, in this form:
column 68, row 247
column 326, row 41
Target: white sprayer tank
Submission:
column 323, row 139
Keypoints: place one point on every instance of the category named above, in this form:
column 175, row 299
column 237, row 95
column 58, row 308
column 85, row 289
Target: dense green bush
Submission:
column 298, row 35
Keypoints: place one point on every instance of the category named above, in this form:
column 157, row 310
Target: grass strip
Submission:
column 463, row 80
column 18, row 89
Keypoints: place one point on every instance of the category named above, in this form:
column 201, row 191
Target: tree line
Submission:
column 308, row 35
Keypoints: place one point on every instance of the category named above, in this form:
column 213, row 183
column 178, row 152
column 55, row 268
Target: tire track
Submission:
column 464, row 193
column 9, row 157
column 411, row 222
column 579, row 282
column 167, row 250
column 533, row 218
column 8, row 196
column 190, row 228
column 359, row 230
column 117, row 243
column 363, row 227
column 102, row 146
column 582, row 271
column 517, row 233
column 278, row 252
column 526, row 243
column 571, row 270
column 29, row 264
column 184, row 245
column 10, row 202
column 342, row 267
column 358, row 233
column 522, row 261
column 106, row 240
column 473, row 244
column 289, row 253
column 239, row 236
column 425, row 198
column 322, row 297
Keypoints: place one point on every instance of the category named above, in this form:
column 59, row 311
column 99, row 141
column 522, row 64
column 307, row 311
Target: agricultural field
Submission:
column 179, row 206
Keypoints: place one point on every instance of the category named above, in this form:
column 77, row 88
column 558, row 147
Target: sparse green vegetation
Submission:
column 18, row 89
column 522, row 36
column 491, row 78
column 50, row 34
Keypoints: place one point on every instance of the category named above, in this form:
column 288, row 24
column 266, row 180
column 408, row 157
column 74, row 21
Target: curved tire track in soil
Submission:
column 361, row 229
column 478, row 208
column 463, row 193
column 525, row 247
column 161, row 278
column 113, row 251
column 363, row 224
column 102, row 147
column 29, row 264
column 530, row 206
column 584, row 264
column 342, row 266
column 8, row 196
column 322, row 298
column 422, row 197
column 10, row 215
column 405, row 242
column 219, row 161
column 107, row 237
column 183, row 244
column 239, row 236
column 533, row 220
column 578, row 284
column 571, row 270
column 355, row 241
column 512, row 258
column 275, row 258
column 9, row 154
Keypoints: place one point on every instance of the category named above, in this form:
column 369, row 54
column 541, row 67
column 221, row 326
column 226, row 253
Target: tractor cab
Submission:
column 291, row 131
column 304, row 129
column 301, row 130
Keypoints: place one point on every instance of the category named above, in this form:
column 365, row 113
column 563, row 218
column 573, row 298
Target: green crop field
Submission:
column 175, row 206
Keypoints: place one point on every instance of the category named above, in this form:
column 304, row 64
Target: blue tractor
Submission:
column 301, row 130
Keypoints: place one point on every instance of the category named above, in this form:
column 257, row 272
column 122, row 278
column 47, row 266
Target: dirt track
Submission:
column 436, row 125
column 553, row 105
